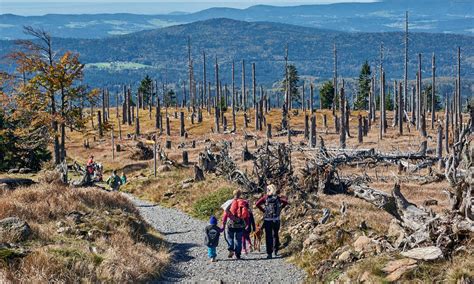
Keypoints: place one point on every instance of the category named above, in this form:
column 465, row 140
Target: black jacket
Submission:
column 212, row 235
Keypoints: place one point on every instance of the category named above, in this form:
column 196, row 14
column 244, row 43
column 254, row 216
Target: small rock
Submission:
column 345, row 256
column 426, row 253
column 63, row 230
column 15, row 228
column 186, row 185
column 163, row 169
column 4, row 186
column 169, row 194
column 13, row 171
column 25, row 170
column 362, row 243
column 430, row 202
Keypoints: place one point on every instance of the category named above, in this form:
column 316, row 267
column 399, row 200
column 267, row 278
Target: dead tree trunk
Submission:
column 446, row 126
column 439, row 146
column 254, row 87
column 168, row 130
column 99, row 124
column 158, row 114
column 185, row 158
column 400, row 109
column 360, row 132
column 181, row 123
column 433, row 90
column 269, row 131
column 311, row 98
column 342, row 107
column 312, row 134
column 306, row 127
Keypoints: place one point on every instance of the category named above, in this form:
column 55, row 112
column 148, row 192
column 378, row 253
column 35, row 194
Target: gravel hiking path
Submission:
column 190, row 262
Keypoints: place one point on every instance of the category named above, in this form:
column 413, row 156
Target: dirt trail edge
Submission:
column 191, row 264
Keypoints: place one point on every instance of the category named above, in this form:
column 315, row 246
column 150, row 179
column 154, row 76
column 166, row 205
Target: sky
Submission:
column 41, row 7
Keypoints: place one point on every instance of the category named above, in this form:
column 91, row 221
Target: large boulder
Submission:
column 396, row 268
column 426, row 253
column 13, row 229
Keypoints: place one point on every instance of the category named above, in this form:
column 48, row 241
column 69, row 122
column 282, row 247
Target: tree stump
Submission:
column 185, row 158
column 181, row 120
column 269, row 131
column 198, row 174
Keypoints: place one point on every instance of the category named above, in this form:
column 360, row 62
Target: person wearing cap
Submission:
column 212, row 234
column 271, row 205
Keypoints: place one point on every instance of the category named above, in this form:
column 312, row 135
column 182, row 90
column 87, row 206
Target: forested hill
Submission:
column 162, row 53
column 436, row 16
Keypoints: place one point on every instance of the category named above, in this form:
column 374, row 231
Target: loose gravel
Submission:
column 190, row 262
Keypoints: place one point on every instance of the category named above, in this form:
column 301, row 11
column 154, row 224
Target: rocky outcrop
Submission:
column 13, row 229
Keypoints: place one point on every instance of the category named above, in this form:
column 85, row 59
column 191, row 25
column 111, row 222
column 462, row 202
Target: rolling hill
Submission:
column 162, row 53
column 437, row 16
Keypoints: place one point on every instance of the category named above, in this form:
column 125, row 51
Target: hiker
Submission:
column 90, row 165
column 271, row 205
column 123, row 178
column 236, row 216
column 248, row 230
column 212, row 238
column 114, row 181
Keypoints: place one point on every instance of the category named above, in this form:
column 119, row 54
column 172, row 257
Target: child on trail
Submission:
column 236, row 216
column 212, row 238
column 248, row 229
column 114, row 181
column 271, row 205
column 123, row 178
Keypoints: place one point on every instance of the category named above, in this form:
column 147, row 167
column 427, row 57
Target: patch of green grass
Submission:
column 68, row 253
column 210, row 204
column 332, row 276
column 97, row 259
column 6, row 254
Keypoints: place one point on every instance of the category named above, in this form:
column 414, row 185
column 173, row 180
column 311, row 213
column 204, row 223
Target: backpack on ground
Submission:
column 238, row 214
column 272, row 207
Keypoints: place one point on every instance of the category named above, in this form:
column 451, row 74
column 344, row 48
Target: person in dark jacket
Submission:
column 212, row 238
column 271, row 205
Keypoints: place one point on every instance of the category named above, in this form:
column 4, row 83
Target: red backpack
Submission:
column 238, row 213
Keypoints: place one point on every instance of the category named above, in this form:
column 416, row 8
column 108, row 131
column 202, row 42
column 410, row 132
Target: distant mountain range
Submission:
column 435, row 16
column 162, row 53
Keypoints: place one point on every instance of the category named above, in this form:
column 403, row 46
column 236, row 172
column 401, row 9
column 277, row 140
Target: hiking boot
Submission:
column 245, row 251
column 269, row 256
column 231, row 254
column 276, row 253
column 213, row 259
column 237, row 256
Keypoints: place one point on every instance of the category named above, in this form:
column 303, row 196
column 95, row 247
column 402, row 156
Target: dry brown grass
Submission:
column 110, row 244
column 158, row 189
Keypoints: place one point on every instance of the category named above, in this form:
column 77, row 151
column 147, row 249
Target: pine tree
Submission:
column 326, row 92
column 145, row 89
column 362, row 100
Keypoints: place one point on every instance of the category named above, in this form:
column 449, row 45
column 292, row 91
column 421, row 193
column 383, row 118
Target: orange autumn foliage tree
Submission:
column 49, row 92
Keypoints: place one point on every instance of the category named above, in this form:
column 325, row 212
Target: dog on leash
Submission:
column 257, row 237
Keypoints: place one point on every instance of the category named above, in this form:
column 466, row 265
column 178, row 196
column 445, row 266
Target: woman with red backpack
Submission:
column 236, row 217
column 271, row 205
